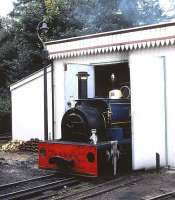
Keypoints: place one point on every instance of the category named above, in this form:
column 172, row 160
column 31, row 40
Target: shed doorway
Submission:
column 104, row 84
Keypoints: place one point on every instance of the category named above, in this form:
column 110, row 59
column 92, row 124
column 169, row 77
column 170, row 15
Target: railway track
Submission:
column 88, row 191
column 46, row 187
column 35, row 187
column 166, row 195
column 70, row 188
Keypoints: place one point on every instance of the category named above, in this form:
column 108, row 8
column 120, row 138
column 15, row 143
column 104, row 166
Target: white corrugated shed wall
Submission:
column 28, row 107
column 153, row 118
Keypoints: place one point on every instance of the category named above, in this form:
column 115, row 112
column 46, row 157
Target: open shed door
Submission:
column 71, row 81
column 148, row 110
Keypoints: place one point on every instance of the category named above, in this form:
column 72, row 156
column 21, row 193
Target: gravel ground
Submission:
column 18, row 166
column 151, row 184
column 22, row 165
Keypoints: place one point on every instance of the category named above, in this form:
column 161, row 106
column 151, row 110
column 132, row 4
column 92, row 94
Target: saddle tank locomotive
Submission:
column 96, row 139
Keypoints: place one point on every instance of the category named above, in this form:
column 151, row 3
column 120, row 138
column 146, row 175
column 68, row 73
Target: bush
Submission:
column 5, row 111
column 5, row 103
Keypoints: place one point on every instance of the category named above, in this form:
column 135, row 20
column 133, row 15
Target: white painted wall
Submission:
column 28, row 107
column 148, row 110
column 154, row 142
column 170, row 88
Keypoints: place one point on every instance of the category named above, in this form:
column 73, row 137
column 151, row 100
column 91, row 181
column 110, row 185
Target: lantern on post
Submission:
column 42, row 28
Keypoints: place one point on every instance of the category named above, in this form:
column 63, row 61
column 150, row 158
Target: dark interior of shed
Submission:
column 103, row 83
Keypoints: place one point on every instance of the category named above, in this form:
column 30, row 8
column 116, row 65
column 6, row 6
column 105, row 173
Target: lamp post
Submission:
column 43, row 28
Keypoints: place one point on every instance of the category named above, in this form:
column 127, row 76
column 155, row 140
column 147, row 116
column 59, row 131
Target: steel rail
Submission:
column 83, row 190
column 82, row 194
column 80, row 191
column 108, row 189
column 38, row 189
column 94, row 187
column 26, row 181
column 161, row 196
column 78, row 195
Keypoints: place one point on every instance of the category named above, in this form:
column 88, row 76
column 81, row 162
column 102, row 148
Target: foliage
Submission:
column 169, row 10
column 101, row 15
column 19, row 46
column 5, row 103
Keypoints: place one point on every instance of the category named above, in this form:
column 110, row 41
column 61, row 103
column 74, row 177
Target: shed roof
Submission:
column 29, row 78
column 162, row 34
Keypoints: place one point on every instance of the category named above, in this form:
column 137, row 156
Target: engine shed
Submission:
column 141, row 58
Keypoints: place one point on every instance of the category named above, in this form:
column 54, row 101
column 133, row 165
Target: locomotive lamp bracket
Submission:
column 114, row 155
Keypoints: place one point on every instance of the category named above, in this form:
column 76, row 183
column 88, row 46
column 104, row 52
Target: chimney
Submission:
column 82, row 85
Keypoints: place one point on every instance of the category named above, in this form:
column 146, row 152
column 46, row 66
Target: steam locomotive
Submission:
column 96, row 138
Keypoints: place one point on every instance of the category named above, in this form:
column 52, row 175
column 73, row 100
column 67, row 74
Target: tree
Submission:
column 66, row 18
column 20, row 53
column 101, row 15
column 7, row 54
column 169, row 10
column 150, row 12
column 26, row 19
